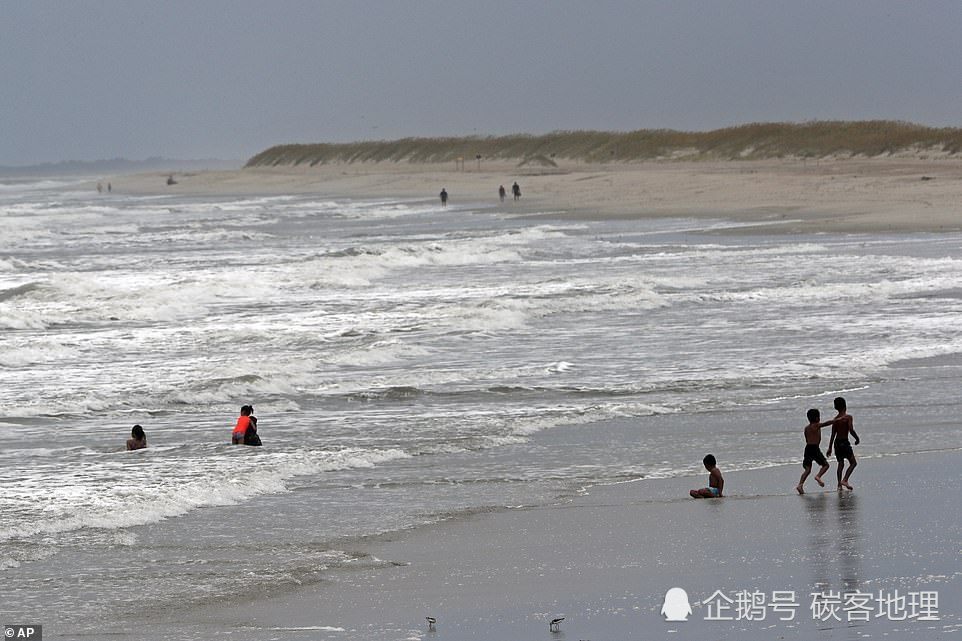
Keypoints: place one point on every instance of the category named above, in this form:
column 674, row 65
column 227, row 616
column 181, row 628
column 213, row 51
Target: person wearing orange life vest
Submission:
column 240, row 429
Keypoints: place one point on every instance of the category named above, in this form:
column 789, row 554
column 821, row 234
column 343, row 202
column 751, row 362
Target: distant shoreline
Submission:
column 115, row 166
column 895, row 194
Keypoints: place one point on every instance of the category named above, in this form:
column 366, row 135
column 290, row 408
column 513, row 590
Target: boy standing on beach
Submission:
column 813, row 437
column 842, row 426
column 716, row 484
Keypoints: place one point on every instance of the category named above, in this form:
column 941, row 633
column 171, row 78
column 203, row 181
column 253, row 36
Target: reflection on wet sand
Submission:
column 835, row 540
column 849, row 539
column 818, row 540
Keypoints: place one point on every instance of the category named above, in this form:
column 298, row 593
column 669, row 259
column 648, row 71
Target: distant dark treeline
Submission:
column 817, row 139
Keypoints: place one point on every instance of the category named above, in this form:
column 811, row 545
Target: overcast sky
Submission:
column 207, row 78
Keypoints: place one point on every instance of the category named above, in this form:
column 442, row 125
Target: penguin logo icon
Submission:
column 676, row 607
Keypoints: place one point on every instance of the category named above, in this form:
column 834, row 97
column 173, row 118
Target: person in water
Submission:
column 501, row 193
column 813, row 453
column 243, row 422
column 842, row 426
column 138, row 439
column 716, row 483
column 250, row 435
column 444, row 197
column 516, row 190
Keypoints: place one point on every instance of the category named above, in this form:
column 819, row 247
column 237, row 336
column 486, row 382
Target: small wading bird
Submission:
column 555, row 624
column 431, row 622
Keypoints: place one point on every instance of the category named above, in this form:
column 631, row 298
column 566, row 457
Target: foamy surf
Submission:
column 171, row 487
column 408, row 364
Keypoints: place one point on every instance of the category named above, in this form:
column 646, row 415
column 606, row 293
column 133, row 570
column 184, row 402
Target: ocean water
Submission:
column 407, row 363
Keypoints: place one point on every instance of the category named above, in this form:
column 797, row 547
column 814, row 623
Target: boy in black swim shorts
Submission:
column 813, row 437
column 842, row 425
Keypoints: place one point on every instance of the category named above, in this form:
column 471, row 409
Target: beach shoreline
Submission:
column 605, row 558
column 264, row 567
column 851, row 195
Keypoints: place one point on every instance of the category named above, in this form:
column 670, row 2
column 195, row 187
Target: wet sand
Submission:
column 604, row 561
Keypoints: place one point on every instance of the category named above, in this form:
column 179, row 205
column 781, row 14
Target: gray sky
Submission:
column 209, row 78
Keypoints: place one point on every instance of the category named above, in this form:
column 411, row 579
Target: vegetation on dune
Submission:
column 759, row 140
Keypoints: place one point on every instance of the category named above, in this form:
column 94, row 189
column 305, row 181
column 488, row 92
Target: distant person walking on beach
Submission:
column 137, row 440
column 842, row 426
column 444, row 197
column 516, row 190
column 501, row 193
column 813, row 437
column 716, row 484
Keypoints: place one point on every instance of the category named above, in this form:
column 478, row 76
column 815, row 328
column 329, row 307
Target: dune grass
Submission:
column 817, row 139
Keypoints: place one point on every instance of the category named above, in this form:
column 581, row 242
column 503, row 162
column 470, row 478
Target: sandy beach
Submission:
column 417, row 373
column 893, row 194
column 604, row 561
column 341, row 321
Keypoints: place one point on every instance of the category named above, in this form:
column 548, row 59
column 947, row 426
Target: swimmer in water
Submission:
column 138, row 439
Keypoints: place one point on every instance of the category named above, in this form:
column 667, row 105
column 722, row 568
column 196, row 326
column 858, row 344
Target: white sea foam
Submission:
column 529, row 425
column 259, row 386
column 367, row 331
column 35, row 353
column 491, row 317
column 378, row 353
column 10, row 264
column 20, row 186
column 78, row 499
column 76, row 297
column 871, row 360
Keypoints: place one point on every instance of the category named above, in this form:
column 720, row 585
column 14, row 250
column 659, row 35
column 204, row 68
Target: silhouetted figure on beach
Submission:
column 813, row 453
column 501, row 193
column 444, row 197
column 138, row 439
column 170, row 180
column 716, row 484
column 516, row 190
column 842, row 426
column 110, row 188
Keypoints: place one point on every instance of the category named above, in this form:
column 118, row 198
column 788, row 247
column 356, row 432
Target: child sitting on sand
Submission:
column 715, row 481
column 813, row 437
